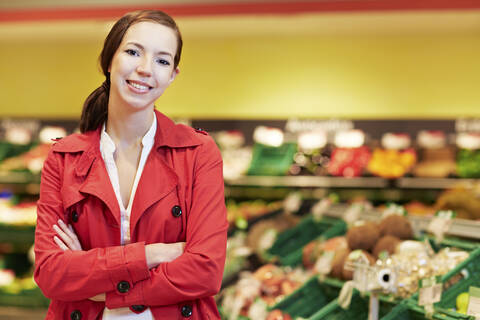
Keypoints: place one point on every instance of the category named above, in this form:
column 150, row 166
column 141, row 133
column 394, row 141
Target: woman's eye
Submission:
column 163, row 61
column 132, row 52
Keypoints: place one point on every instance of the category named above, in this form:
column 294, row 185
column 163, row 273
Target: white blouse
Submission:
column 107, row 148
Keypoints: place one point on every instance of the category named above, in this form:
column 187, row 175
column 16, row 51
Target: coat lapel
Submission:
column 97, row 183
column 157, row 180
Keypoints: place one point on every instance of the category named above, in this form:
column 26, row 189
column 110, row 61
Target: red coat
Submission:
column 179, row 198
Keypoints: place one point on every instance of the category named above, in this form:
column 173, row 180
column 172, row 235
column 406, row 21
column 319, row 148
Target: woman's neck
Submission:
column 128, row 128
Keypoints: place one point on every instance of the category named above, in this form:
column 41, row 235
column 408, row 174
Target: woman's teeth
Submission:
column 138, row 86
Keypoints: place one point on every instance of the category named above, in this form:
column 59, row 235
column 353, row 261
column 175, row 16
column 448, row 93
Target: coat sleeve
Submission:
column 77, row 275
column 198, row 272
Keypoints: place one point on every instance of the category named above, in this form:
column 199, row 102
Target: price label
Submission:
column 322, row 206
column 393, row 208
column 324, row 263
column 352, row 214
column 441, row 223
column 292, row 202
column 474, row 302
column 430, row 291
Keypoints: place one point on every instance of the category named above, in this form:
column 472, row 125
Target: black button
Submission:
column 76, row 315
column 186, row 311
column 176, row 211
column 123, row 286
column 74, row 216
column 138, row 307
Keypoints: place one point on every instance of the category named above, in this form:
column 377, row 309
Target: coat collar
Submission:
column 168, row 134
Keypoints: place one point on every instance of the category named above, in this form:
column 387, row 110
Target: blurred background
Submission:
column 365, row 100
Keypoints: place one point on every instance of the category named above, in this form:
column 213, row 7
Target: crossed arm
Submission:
column 155, row 253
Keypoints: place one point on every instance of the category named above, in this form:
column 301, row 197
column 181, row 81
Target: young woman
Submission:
column 131, row 216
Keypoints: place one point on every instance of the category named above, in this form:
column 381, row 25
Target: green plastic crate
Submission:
column 310, row 297
column 288, row 245
column 272, row 161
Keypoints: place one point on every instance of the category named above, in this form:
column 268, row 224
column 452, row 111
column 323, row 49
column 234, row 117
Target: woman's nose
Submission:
column 145, row 67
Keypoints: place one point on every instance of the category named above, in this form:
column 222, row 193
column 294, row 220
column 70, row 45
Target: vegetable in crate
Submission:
column 395, row 158
column 350, row 157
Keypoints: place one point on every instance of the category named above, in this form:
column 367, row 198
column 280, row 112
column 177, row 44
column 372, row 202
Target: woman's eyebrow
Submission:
column 141, row 47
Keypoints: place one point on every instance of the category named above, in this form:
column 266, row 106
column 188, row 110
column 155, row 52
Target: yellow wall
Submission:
column 423, row 76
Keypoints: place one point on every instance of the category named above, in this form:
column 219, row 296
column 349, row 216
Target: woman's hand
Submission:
column 157, row 253
column 67, row 239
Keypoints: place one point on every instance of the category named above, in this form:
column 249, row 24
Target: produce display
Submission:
column 256, row 292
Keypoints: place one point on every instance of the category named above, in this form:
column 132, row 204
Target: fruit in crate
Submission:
column 350, row 157
column 363, row 236
column 397, row 226
column 386, row 243
column 255, row 292
column 463, row 199
column 313, row 250
column 395, row 158
column 278, row 315
column 462, row 302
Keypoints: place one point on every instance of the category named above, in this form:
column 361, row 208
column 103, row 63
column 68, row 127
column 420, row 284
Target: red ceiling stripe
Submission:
column 82, row 13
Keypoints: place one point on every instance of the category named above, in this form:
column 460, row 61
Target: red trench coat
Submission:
column 179, row 198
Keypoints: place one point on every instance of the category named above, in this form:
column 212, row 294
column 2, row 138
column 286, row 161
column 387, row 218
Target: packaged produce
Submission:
column 313, row 154
column 468, row 156
column 395, row 158
column 349, row 157
column 436, row 159
column 236, row 156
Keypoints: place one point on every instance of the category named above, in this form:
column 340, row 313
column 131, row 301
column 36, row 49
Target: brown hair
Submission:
column 95, row 108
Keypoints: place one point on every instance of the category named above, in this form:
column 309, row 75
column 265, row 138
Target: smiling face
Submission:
column 143, row 65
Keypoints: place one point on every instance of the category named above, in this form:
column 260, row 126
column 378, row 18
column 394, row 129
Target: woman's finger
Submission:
column 60, row 243
column 65, row 238
column 67, row 231
column 73, row 241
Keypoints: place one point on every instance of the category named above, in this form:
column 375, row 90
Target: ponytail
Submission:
column 95, row 108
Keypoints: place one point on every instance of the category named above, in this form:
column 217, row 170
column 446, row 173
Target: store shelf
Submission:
column 460, row 227
column 432, row 183
column 340, row 182
column 308, row 181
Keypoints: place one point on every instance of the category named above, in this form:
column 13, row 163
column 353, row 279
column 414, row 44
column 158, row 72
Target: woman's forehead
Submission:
column 151, row 34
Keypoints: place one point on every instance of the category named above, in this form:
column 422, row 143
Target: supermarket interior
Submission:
column 349, row 132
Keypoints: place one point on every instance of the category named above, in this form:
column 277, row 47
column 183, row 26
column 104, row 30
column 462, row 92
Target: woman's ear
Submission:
column 175, row 72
